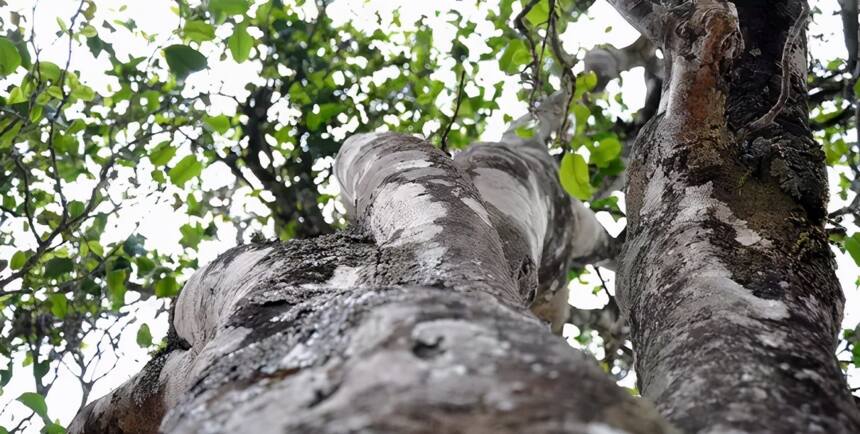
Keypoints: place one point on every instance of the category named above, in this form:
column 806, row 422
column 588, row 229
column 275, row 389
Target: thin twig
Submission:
column 444, row 141
column 567, row 75
column 524, row 31
column 602, row 282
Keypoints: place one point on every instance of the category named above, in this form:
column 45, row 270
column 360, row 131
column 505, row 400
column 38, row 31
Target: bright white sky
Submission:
column 159, row 223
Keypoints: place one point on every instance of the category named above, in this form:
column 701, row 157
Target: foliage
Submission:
column 83, row 151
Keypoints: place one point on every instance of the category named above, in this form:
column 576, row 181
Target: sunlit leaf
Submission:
column 228, row 7
column 574, row 177
column 185, row 170
column 198, row 31
column 35, row 402
column 240, row 43
column 116, row 287
column 326, row 112
column 10, row 59
column 184, row 60
column 144, row 337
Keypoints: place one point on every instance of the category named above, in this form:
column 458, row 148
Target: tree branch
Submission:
column 647, row 17
column 785, row 86
column 444, row 140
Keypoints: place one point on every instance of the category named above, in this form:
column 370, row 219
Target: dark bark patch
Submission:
column 424, row 349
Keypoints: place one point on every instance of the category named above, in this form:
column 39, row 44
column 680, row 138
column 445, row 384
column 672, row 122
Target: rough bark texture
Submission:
column 727, row 276
column 417, row 320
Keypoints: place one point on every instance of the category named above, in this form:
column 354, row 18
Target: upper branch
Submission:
column 644, row 15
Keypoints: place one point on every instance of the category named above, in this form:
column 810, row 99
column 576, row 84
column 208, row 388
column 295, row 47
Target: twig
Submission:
column 524, row 31
column 785, row 89
column 444, row 140
column 602, row 282
column 567, row 75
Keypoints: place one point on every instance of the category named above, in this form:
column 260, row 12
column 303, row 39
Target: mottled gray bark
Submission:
column 727, row 277
column 416, row 320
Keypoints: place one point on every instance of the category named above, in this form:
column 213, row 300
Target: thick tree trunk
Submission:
column 415, row 321
column 727, row 275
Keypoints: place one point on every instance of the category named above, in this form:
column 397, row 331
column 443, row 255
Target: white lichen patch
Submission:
column 405, row 213
column 602, row 428
column 410, row 164
column 518, row 199
column 342, row 277
column 653, row 197
column 710, row 284
column 210, row 295
column 225, row 342
column 700, row 199
column 350, row 150
column 479, row 209
column 773, row 339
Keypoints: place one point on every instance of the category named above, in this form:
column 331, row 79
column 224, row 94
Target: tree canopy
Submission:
column 231, row 118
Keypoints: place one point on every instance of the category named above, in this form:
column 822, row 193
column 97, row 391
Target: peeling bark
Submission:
column 727, row 277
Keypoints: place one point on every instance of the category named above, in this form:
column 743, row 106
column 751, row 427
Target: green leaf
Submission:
column 525, row 132
column 76, row 208
column 144, row 265
column 219, row 124
column 186, row 169
column 5, row 376
column 857, row 88
column 852, row 245
column 607, row 150
column 855, row 354
column 35, row 402
column 116, row 287
column 83, row 92
column 41, row 369
column 162, row 154
column 198, row 31
column 10, row 59
column 581, row 114
column 184, row 60
column 166, row 287
column 49, row 71
column 18, row 260
column 95, row 247
column 89, row 31
column 133, row 245
column 515, row 55
column 539, row 14
column 59, row 305
column 58, row 266
column 191, row 235
column 585, row 82
column 326, row 112
column 228, row 7
column 574, row 177
column 144, row 337
column 240, row 43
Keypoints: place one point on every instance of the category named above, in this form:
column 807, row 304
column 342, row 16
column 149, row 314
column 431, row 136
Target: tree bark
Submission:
column 416, row 320
column 727, row 278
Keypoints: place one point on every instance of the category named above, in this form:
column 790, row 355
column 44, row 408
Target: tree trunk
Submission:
column 727, row 277
column 414, row 321
column 417, row 319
